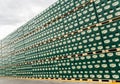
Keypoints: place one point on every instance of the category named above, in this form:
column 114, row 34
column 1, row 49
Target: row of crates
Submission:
column 72, row 39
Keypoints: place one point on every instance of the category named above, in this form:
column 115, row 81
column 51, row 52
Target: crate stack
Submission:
column 72, row 39
column 1, row 59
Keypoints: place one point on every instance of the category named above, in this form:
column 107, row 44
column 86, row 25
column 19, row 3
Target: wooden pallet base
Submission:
column 95, row 81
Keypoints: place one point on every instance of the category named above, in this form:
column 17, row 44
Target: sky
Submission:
column 15, row 13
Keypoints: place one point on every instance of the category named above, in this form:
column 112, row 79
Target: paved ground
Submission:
column 18, row 81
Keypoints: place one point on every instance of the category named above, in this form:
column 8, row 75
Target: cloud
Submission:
column 14, row 13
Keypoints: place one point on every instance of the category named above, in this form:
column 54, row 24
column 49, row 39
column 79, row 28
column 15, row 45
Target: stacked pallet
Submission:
column 72, row 39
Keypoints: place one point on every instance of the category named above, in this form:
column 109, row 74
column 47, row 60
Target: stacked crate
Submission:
column 72, row 39
column 1, row 58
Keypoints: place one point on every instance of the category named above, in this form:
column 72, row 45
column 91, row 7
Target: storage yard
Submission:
column 72, row 40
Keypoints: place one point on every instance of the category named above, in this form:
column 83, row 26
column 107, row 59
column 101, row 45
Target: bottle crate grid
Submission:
column 72, row 39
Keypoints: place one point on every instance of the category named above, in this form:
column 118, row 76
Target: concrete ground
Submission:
column 19, row 81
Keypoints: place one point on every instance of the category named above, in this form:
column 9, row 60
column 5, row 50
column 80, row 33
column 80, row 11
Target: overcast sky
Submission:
column 14, row 13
